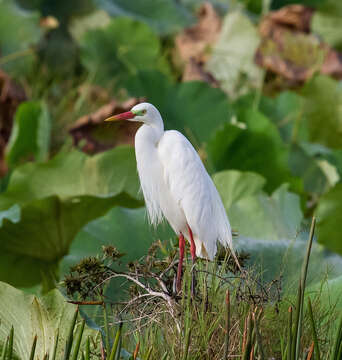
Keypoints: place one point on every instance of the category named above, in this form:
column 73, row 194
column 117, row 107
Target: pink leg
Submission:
column 180, row 263
column 192, row 245
column 193, row 256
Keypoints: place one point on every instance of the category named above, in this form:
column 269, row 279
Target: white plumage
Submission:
column 176, row 184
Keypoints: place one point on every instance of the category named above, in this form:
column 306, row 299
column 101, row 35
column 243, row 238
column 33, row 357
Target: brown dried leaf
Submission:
column 311, row 351
column 290, row 50
column 194, row 70
column 89, row 128
column 332, row 64
column 11, row 95
column 297, row 17
column 193, row 43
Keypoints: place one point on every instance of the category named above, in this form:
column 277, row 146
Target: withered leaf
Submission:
column 86, row 131
column 11, row 95
column 193, row 44
column 289, row 48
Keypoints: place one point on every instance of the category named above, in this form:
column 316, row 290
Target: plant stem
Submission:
column 248, row 348
column 106, row 326
column 289, row 335
column 226, row 338
column 78, row 341
column 116, row 343
column 87, row 349
column 10, row 344
column 149, row 353
column 33, row 348
column 314, row 332
column 258, row 335
column 54, row 352
column 70, row 338
column 4, row 350
column 337, row 342
column 300, row 296
column 296, row 323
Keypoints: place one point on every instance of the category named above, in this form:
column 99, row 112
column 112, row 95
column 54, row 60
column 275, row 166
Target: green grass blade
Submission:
column 284, row 353
column 337, row 342
column 149, row 353
column 10, row 344
column 226, row 338
column 314, row 332
column 70, row 338
column 302, row 286
column 339, row 355
column 289, row 335
column 283, row 348
column 187, row 330
column 33, row 348
column 118, row 353
column 187, row 344
column 258, row 335
column 78, row 341
column 54, row 352
column 248, row 348
column 164, row 356
column 296, row 323
column 4, row 350
column 87, row 349
column 106, row 327
column 116, row 343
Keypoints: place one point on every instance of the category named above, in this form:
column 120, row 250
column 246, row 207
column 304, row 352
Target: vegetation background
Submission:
column 254, row 85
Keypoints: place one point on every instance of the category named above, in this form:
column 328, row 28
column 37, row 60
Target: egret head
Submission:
column 143, row 112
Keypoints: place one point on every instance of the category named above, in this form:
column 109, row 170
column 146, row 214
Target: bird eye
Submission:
column 144, row 111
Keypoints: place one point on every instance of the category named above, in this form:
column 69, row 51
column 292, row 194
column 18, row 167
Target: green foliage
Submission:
column 247, row 140
column 127, row 230
column 264, row 217
column 107, row 174
column 18, row 32
column 30, row 133
column 62, row 9
column 312, row 115
column 232, row 60
column 285, row 110
column 117, row 52
column 321, row 96
column 328, row 26
column 247, row 301
column 317, row 174
column 277, row 158
column 52, row 210
column 193, row 114
column 164, row 16
column 42, row 236
column 119, row 227
column 31, row 316
column 234, row 185
column 329, row 214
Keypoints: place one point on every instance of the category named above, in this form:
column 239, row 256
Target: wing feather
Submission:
column 193, row 189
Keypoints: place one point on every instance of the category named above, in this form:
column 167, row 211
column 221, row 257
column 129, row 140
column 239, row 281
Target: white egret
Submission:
column 176, row 185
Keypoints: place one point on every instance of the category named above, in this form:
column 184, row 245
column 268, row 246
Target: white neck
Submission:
column 153, row 127
column 156, row 122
